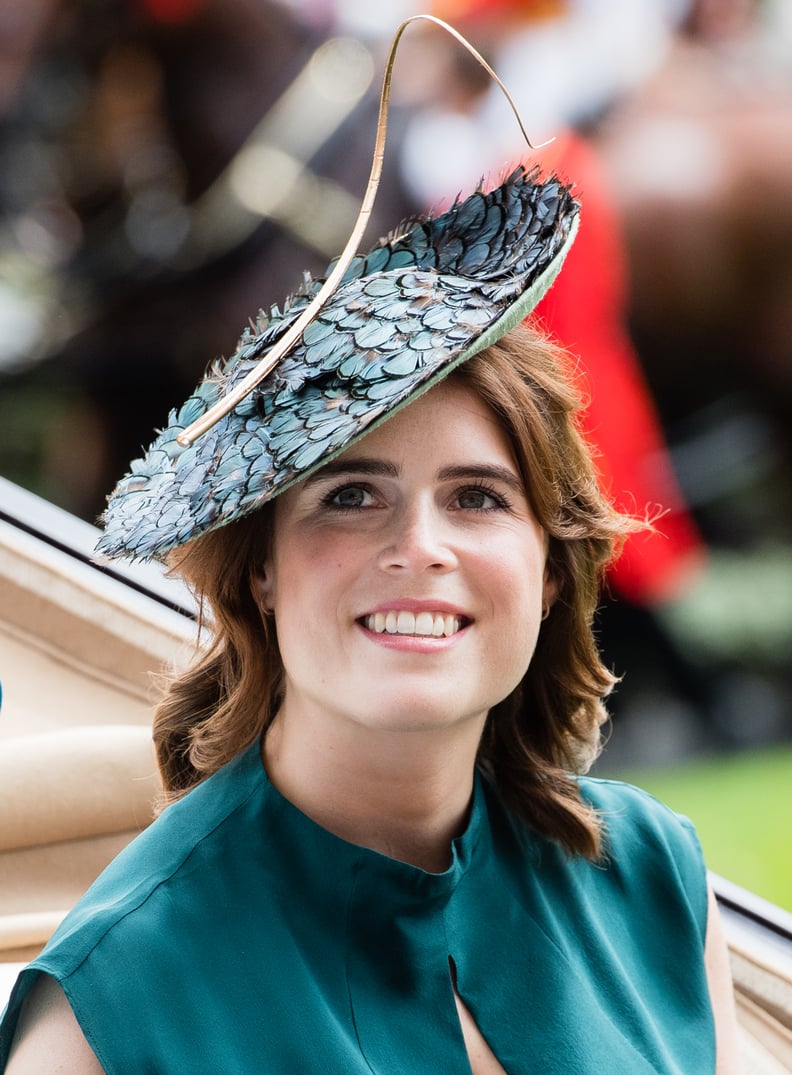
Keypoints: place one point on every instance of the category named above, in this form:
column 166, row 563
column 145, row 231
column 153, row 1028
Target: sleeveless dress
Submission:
column 236, row 936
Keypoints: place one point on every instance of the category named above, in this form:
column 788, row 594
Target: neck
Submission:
column 404, row 794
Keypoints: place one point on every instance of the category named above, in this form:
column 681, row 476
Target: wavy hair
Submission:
column 536, row 739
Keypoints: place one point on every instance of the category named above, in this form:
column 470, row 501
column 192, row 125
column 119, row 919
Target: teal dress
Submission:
column 237, row 937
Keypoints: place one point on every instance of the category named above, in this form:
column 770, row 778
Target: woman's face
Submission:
column 408, row 575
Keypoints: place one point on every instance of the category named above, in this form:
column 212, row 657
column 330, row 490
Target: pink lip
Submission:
column 413, row 643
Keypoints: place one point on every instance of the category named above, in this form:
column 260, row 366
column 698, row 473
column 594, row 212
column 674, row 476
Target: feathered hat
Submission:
column 343, row 355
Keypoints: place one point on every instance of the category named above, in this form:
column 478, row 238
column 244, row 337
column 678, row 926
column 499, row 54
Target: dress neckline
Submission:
column 299, row 827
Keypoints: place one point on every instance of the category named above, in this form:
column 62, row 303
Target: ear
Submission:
column 549, row 588
column 263, row 587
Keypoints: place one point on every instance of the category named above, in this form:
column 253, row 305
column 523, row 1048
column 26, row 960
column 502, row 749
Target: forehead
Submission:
column 450, row 417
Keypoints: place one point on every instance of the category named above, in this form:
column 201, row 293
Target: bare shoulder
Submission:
column 49, row 1037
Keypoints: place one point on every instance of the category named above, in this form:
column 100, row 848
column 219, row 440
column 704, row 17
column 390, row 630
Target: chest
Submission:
column 482, row 1059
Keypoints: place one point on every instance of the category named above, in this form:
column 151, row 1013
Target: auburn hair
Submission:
column 537, row 738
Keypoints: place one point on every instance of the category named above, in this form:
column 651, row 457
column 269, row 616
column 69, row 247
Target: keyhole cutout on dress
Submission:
column 481, row 1058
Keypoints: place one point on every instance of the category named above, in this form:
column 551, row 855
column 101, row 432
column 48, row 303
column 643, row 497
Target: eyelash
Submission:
column 331, row 494
column 501, row 502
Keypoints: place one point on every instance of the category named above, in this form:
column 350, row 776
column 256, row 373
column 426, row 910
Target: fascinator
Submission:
column 344, row 353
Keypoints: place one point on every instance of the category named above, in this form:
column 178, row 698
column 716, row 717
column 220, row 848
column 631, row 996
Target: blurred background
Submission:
column 167, row 167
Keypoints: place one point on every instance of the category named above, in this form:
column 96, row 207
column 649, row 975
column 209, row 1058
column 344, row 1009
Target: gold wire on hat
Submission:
column 267, row 364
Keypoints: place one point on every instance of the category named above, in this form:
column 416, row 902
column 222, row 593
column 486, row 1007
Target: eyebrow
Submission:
column 384, row 468
column 376, row 467
column 483, row 471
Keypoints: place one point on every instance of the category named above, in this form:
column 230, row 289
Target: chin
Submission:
column 420, row 714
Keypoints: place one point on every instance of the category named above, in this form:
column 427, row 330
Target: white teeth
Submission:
column 424, row 624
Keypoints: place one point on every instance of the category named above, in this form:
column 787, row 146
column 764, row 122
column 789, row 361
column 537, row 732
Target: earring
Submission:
column 545, row 609
column 266, row 610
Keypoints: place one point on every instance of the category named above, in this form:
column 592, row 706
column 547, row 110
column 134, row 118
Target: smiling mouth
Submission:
column 422, row 624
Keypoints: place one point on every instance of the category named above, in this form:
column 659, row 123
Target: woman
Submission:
column 377, row 856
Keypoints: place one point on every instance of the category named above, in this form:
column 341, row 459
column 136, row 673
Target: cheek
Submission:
column 519, row 638
column 518, row 574
column 312, row 568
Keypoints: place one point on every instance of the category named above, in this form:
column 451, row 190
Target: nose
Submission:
column 419, row 539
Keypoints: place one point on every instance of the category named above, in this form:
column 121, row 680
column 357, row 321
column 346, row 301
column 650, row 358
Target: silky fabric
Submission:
column 237, row 936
